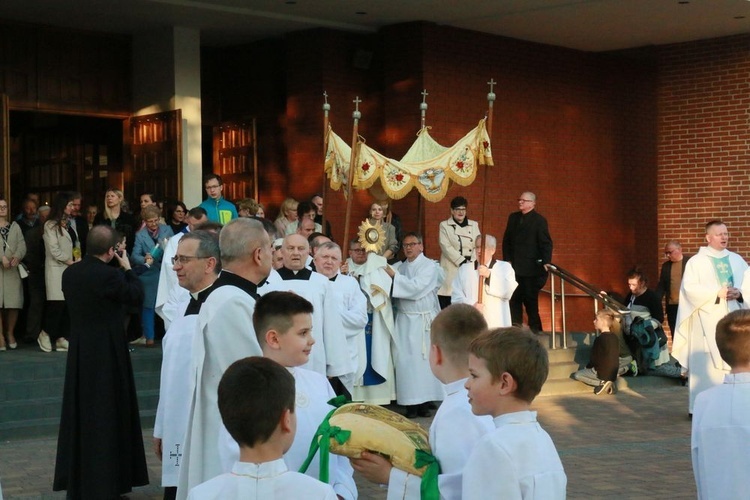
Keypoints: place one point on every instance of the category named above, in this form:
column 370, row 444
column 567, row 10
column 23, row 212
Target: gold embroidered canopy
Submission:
column 427, row 165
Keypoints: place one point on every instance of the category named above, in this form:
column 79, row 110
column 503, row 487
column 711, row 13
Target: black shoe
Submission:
column 423, row 410
column 411, row 412
column 605, row 387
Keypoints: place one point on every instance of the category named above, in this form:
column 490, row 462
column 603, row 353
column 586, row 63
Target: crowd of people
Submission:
column 230, row 285
column 266, row 322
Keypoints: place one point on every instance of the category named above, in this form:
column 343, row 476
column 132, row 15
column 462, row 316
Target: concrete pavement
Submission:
column 635, row 444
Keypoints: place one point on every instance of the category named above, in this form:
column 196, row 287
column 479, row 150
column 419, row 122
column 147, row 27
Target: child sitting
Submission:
column 283, row 325
column 508, row 367
column 601, row 372
column 451, row 333
column 721, row 432
column 264, row 432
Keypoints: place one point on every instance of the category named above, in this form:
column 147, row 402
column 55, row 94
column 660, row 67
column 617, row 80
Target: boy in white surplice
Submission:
column 264, row 432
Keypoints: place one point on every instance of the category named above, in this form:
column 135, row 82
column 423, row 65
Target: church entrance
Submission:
column 56, row 152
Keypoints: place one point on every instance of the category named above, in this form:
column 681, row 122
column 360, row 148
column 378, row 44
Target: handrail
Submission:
column 593, row 292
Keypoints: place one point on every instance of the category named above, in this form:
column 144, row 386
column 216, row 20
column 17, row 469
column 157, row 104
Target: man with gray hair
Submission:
column 225, row 334
column 497, row 289
column 352, row 306
column 197, row 264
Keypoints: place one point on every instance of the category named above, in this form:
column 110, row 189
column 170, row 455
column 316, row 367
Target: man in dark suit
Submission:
column 670, row 280
column 527, row 245
column 100, row 450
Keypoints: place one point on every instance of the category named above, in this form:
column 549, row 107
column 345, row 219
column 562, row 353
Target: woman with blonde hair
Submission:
column 287, row 214
column 117, row 217
column 377, row 217
column 11, row 289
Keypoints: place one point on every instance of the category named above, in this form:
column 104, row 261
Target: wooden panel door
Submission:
column 154, row 160
column 235, row 159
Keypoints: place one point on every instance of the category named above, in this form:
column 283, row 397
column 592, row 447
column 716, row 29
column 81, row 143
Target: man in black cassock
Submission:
column 527, row 245
column 100, row 451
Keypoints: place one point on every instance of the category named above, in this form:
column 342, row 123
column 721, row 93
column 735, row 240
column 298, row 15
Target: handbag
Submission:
column 23, row 271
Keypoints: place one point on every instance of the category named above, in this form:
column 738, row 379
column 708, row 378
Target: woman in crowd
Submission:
column 176, row 214
column 391, row 243
column 11, row 289
column 287, row 214
column 59, row 241
column 116, row 216
column 149, row 250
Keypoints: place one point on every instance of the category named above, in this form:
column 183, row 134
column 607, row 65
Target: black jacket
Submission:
column 527, row 244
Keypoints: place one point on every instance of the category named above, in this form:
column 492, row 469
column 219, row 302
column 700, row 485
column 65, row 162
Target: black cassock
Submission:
column 100, row 445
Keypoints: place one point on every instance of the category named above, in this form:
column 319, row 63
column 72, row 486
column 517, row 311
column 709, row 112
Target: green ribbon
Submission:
column 322, row 440
column 428, row 489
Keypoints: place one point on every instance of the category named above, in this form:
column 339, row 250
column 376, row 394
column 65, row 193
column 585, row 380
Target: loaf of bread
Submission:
column 379, row 430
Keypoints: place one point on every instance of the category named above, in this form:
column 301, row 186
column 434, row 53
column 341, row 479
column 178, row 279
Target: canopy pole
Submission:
column 356, row 115
column 420, row 205
column 423, row 108
column 326, row 109
column 490, row 109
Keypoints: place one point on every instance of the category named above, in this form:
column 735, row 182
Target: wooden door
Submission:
column 235, row 159
column 154, row 157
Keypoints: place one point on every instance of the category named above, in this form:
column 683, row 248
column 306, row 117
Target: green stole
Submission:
column 723, row 270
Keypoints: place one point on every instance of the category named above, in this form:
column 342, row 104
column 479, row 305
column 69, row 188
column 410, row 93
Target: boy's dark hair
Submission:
column 453, row 330
column 733, row 338
column 637, row 274
column 517, row 351
column 275, row 311
column 253, row 394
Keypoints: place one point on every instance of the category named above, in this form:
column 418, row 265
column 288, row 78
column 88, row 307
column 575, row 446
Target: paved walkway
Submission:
column 632, row 445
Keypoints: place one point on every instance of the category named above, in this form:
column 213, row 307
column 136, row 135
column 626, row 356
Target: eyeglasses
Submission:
column 357, row 250
column 213, row 186
column 409, row 245
column 459, row 209
column 184, row 259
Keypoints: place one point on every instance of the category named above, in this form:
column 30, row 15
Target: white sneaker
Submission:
column 61, row 344
column 44, row 342
column 139, row 341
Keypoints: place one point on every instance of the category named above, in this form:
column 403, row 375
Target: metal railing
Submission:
column 589, row 290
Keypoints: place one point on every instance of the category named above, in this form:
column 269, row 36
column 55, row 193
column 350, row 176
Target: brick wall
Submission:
column 576, row 128
column 704, row 134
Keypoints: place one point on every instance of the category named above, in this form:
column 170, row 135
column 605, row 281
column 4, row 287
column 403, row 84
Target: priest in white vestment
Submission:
column 352, row 307
column 415, row 285
column 169, row 294
column 330, row 355
column 499, row 284
column 225, row 334
column 196, row 264
column 711, row 287
column 377, row 384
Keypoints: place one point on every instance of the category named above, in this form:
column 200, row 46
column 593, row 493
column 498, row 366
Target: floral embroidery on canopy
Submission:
column 427, row 166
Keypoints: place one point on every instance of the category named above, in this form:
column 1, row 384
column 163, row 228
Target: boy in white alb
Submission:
column 721, row 431
column 518, row 460
column 283, row 324
column 264, row 433
column 451, row 333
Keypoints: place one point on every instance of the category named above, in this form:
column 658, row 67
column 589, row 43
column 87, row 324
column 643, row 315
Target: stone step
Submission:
column 31, row 397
